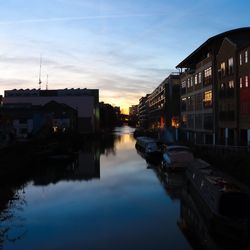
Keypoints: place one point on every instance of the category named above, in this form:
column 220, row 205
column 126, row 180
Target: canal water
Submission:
column 108, row 198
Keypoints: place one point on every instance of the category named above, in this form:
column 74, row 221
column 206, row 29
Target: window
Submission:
column 196, row 79
column 191, row 81
column 246, row 81
column 223, row 68
column 188, row 82
column 230, row 65
column 199, row 78
column 208, row 72
column 240, row 59
column 183, row 84
column 208, row 76
column 246, row 56
column 240, row 82
column 231, row 84
column 207, row 101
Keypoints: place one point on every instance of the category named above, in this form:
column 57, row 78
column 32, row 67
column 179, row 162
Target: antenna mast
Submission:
column 47, row 84
column 40, row 81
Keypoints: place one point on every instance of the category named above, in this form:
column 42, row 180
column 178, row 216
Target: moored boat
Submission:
column 225, row 205
column 149, row 147
column 177, row 158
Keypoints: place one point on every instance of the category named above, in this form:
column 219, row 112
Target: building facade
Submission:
column 143, row 111
column 164, row 103
column 210, row 90
column 84, row 101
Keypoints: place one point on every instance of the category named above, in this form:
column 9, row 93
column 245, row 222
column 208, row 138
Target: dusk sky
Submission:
column 125, row 48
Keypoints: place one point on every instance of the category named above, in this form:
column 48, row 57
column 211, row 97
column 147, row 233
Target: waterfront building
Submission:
column 84, row 101
column 143, row 111
column 133, row 115
column 164, row 104
column 214, row 108
column 24, row 120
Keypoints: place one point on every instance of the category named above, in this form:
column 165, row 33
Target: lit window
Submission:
column 207, row 98
column 246, row 56
column 222, row 86
column 183, row 84
column 208, row 72
column 196, row 79
column 191, row 81
column 230, row 65
column 199, row 77
column 223, row 68
column 240, row 59
column 240, row 82
column 246, row 81
column 231, row 84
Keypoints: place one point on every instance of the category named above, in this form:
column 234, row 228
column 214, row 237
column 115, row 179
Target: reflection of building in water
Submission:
column 11, row 223
column 200, row 231
column 85, row 166
column 88, row 165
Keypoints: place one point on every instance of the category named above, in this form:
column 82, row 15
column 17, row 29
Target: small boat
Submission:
column 177, row 158
column 149, row 147
column 225, row 204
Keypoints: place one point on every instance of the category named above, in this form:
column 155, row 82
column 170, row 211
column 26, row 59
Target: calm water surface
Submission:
column 108, row 199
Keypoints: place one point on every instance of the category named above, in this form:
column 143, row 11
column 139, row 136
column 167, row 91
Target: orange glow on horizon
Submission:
column 123, row 104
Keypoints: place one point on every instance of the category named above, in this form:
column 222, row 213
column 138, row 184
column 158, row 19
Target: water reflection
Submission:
column 107, row 192
column 84, row 166
column 12, row 224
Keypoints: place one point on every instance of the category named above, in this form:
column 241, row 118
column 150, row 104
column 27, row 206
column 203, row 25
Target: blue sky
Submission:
column 123, row 47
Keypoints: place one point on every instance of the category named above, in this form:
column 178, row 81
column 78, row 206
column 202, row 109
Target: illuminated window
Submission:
column 241, row 82
column 208, row 72
column 188, row 82
column 196, row 79
column 246, row 56
column 223, row 68
column 246, row 81
column 199, row 78
column 230, row 65
column 191, row 81
column 240, row 59
column 231, row 84
column 208, row 98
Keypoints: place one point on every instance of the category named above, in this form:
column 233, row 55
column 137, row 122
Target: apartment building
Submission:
column 143, row 111
column 164, row 104
column 210, row 89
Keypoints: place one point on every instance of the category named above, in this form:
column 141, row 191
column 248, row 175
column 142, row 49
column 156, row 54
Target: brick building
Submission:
column 214, row 90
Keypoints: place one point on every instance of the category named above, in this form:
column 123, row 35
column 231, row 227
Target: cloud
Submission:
column 24, row 60
column 64, row 19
